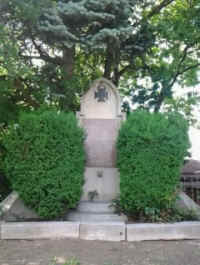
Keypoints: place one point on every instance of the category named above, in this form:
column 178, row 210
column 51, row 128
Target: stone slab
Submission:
column 176, row 231
column 186, row 204
column 39, row 230
column 93, row 108
column 95, row 207
column 100, row 143
column 14, row 209
column 75, row 216
column 106, row 185
column 103, row 231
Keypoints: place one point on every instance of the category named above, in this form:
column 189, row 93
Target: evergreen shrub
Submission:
column 150, row 152
column 45, row 161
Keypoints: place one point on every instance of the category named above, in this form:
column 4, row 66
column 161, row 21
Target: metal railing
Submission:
column 191, row 186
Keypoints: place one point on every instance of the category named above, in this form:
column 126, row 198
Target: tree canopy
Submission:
column 52, row 49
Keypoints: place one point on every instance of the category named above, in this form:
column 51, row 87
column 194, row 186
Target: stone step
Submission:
column 76, row 216
column 95, row 207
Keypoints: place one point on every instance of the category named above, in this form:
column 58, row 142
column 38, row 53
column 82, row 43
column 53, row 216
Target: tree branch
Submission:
column 30, row 57
column 182, row 72
column 179, row 72
column 156, row 9
column 108, row 61
column 44, row 56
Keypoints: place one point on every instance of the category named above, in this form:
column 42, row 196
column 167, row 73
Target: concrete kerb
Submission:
column 111, row 231
column 116, row 232
column 106, row 231
column 39, row 230
column 175, row 231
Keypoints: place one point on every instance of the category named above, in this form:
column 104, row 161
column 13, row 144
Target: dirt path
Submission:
column 44, row 252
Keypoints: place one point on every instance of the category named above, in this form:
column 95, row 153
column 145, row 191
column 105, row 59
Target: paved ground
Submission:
column 45, row 252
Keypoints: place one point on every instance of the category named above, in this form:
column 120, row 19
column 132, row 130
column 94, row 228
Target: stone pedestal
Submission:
column 100, row 141
column 101, row 117
column 101, row 184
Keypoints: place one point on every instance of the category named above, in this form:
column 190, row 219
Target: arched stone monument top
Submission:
column 101, row 101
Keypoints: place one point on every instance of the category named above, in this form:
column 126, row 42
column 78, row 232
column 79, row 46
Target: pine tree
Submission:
column 104, row 26
column 109, row 28
column 80, row 40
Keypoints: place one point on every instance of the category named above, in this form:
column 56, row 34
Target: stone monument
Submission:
column 100, row 116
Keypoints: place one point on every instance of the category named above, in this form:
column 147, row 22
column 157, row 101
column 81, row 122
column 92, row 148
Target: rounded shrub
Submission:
column 150, row 152
column 45, row 161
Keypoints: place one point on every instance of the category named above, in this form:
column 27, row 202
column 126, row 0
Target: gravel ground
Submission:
column 54, row 252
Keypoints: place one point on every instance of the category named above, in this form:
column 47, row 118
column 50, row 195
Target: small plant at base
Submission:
column 71, row 261
column 92, row 195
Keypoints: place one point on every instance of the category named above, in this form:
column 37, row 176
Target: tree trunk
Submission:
column 116, row 74
column 159, row 103
column 68, row 61
column 68, row 97
column 108, row 62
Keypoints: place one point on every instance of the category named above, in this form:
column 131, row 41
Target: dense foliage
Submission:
column 55, row 48
column 150, row 151
column 45, row 161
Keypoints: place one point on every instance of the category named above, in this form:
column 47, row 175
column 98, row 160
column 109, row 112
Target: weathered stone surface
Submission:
column 94, row 212
column 100, row 143
column 106, row 106
column 111, row 231
column 103, row 231
column 100, row 116
column 39, row 230
column 14, row 209
column 185, row 203
column 75, row 216
column 7, row 203
column 176, row 231
column 106, row 185
column 95, row 207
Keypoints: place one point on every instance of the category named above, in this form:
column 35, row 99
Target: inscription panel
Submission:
column 102, row 101
column 100, row 143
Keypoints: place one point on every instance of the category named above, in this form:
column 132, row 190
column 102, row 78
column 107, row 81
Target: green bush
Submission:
column 150, row 152
column 45, row 161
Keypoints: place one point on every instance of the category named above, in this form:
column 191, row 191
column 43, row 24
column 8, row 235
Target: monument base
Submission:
column 94, row 212
column 101, row 184
column 100, row 188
